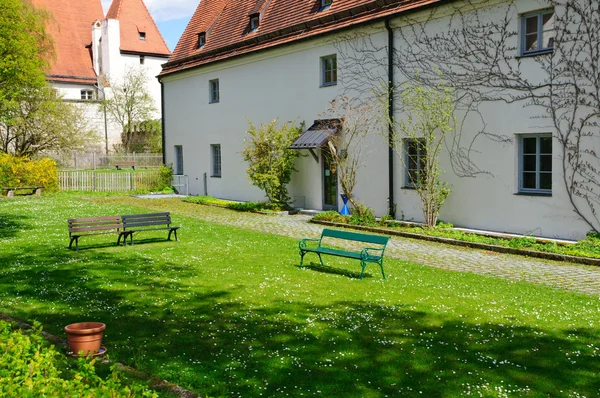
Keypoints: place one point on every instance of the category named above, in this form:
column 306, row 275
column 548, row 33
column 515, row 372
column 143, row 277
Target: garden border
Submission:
column 474, row 245
column 154, row 382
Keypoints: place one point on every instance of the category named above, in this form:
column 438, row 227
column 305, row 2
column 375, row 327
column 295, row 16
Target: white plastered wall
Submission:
column 284, row 83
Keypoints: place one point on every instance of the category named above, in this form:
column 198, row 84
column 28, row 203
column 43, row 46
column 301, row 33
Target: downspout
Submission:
column 162, row 121
column 391, row 210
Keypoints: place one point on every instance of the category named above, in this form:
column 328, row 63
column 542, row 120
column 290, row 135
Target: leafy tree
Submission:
column 26, row 50
column 427, row 117
column 44, row 122
column 270, row 159
column 146, row 136
column 33, row 118
column 129, row 102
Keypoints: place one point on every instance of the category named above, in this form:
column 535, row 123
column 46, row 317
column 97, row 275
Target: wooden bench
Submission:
column 365, row 255
column 146, row 222
column 10, row 191
column 124, row 163
column 79, row 227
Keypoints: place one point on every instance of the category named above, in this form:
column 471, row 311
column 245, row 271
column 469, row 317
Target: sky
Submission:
column 171, row 16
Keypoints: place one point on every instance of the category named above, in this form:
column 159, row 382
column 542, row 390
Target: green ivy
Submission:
column 30, row 367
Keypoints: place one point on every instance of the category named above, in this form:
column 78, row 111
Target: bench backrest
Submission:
column 124, row 163
column 94, row 224
column 146, row 220
column 355, row 236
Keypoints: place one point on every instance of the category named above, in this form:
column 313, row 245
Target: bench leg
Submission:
column 174, row 231
column 121, row 234
column 321, row 260
column 301, row 257
column 131, row 238
column 363, row 266
column 71, row 243
column 381, row 266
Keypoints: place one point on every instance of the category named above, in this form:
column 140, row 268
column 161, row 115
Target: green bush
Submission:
column 30, row 367
column 331, row 216
column 20, row 171
column 367, row 218
column 166, row 177
column 238, row 206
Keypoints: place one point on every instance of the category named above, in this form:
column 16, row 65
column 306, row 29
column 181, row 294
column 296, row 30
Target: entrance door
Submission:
column 330, row 183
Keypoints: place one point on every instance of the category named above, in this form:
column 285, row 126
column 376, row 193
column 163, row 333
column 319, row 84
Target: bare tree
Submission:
column 476, row 47
column 349, row 147
column 129, row 102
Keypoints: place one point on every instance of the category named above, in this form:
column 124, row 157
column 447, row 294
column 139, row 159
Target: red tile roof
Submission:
column 71, row 29
column 134, row 19
column 283, row 21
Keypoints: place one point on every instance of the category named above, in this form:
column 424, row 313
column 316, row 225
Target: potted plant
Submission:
column 86, row 337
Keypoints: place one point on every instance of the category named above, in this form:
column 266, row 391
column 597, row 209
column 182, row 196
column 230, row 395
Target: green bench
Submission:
column 365, row 255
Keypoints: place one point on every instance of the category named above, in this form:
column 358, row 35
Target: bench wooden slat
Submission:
column 93, row 219
column 95, row 228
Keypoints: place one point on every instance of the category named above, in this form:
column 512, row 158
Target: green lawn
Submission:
column 227, row 312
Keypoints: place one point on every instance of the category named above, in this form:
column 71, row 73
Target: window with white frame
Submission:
column 329, row 70
column 213, row 91
column 87, row 95
column 178, row 160
column 537, row 32
column 535, row 163
column 415, row 161
column 215, row 150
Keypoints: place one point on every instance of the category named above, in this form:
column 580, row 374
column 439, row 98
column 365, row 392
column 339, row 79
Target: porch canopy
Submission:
column 317, row 135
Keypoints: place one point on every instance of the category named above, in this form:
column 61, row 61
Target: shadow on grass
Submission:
column 223, row 335
column 12, row 224
column 334, row 271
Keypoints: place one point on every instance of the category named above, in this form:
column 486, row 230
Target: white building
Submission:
column 260, row 60
column 89, row 46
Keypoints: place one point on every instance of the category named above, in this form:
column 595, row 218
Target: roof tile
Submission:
column 71, row 29
column 283, row 21
column 134, row 19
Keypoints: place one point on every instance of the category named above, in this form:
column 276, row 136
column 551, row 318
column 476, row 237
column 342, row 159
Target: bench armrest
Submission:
column 366, row 252
column 303, row 242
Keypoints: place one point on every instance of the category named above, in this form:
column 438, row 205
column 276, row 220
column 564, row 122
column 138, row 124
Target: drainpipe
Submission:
column 391, row 209
column 162, row 121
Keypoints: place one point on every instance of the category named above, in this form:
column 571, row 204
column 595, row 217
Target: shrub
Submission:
column 362, row 215
column 30, row 367
column 331, row 216
column 20, row 171
column 166, row 177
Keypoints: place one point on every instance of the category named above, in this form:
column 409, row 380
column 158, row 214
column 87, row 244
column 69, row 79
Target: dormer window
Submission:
column 325, row 4
column 201, row 40
column 142, row 36
column 254, row 22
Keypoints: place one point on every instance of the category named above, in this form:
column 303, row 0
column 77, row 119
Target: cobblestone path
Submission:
column 574, row 277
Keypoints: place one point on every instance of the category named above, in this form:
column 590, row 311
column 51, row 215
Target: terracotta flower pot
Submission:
column 85, row 336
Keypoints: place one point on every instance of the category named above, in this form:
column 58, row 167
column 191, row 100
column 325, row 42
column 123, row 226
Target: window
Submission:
column 537, row 32
column 178, row 160
column 142, row 59
column 325, row 5
column 87, row 95
column 216, row 160
column 142, row 36
column 535, row 163
column 329, row 70
column 201, row 40
column 415, row 161
column 254, row 21
column 213, row 87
